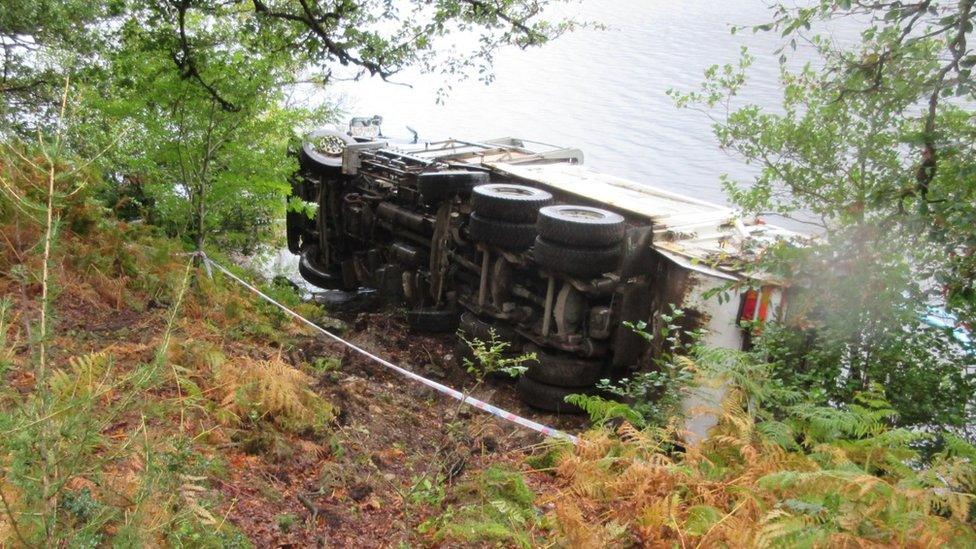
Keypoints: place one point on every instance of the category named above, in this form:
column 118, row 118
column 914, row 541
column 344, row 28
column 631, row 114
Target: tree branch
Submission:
column 184, row 60
column 957, row 47
column 517, row 24
column 313, row 23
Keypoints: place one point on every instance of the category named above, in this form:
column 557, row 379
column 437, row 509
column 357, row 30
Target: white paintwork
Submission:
column 642, row 200
column 702, row 404
column 709, row 235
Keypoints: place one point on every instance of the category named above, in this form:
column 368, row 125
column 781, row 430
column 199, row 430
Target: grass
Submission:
column 153, row 375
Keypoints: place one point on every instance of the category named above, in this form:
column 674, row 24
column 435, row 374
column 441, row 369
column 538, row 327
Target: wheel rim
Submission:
column 513, row 191
column 329, row 145
column 579, row 213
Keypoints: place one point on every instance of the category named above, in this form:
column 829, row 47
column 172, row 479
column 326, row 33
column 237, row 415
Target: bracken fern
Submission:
column 812, row 477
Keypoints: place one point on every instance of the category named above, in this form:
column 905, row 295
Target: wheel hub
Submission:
column 330, row 145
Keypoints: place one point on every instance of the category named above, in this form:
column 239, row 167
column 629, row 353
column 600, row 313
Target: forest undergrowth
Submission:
column 157, row 406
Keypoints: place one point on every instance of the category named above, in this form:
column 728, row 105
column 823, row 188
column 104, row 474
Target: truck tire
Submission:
column 580, row 262
column 293, row 231
column 326, row 161
column 461, row 352
column 436, row 187
column 503, row 234
column 433, row 320
column 564, row 371
column 475, row 328
column 548, row 397
column 505, row 202
column 294, row 221
column 580, row 226
column 315, row 275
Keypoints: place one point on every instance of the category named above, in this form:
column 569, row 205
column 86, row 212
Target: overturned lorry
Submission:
column 519, row 239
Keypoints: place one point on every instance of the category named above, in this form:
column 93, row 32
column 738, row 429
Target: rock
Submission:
column 434, row 370
column 360, row 491
column 423, row 392
column 489, row 444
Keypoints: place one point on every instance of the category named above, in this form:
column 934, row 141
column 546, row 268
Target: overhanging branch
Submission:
column 188, row 68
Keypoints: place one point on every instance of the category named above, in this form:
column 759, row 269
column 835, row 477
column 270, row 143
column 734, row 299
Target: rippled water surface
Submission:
column 601, row 91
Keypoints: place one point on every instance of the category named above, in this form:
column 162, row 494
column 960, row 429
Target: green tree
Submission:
column 213, row 164
column 349, row 38
column 875, row 144
column 191, row 97
column 42, row 41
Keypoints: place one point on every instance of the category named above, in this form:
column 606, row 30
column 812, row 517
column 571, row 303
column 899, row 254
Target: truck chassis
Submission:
column 440, row 230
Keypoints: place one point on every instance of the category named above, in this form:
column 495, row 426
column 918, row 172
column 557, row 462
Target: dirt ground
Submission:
column 392, row 434
column 364, row 484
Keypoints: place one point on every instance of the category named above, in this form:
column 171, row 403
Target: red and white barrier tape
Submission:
column 455, row 394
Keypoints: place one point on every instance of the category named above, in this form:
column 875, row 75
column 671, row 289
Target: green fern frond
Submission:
column 602, row 410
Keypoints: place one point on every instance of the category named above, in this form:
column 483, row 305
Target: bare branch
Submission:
column 184, row 60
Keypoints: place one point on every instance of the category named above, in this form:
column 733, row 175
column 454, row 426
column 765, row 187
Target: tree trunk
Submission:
column 199, row 214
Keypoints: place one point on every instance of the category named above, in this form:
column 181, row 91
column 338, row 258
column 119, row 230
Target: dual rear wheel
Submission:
column 579, row 241
column 505, row 215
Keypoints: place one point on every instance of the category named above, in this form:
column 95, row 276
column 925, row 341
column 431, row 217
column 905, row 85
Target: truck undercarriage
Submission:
column 451, row 232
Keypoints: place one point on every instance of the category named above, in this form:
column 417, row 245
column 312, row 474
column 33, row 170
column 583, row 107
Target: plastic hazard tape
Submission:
column 453, row 393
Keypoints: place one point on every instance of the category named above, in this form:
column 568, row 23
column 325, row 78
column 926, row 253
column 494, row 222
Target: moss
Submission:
column 548, row 458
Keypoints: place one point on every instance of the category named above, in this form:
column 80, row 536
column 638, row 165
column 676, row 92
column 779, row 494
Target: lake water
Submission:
column 601, row 91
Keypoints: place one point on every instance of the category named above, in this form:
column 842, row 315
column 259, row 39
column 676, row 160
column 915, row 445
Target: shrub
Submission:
column 807, row 475
column 653, row 396
column 271, row 391
column 497, row 506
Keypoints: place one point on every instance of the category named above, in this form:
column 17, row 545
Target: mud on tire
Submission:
column 475, row 328
column 313, row 273
column 433, row 320
column 507, row 202
column 564, row 371
column 580, row 262
column 580, row 226
column 549, row 397
column 503, row 234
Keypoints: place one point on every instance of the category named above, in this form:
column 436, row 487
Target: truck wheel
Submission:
column 461, row 352
column 475, row 328
column 504, row 234
column 310, row 270
column 435, row 187
column 294, row 221
column 581, row 262
column 433, row 320
column 548, row 397
column 515, row 203
column 564, row 371
column 580, row 226
column 293, row 231
column 322, row 151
